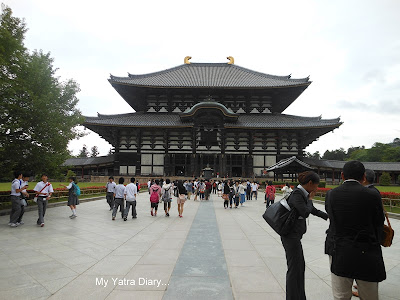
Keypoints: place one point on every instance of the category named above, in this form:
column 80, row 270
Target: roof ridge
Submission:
column 166, row 71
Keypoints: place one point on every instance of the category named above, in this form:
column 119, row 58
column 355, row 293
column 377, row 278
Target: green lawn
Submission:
column 6, row 186
column 392, row 188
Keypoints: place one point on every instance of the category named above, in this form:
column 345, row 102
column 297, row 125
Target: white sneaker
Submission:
column 21, row 223
column 14, row 225
column 9, row 224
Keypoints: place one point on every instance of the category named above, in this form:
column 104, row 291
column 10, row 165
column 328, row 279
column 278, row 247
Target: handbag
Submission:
column 281, row 217
column 23, row 202
column 388, row 233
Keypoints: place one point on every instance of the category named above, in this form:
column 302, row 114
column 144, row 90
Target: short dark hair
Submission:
column 44, row 174
column 121, row 180
column 370, row 175
column 17, row 173
column 133, row 179
column 157, row 181
column 72, row 178
column 167, row 181
column 308, row 176
column 353, row 169
column 111, row 177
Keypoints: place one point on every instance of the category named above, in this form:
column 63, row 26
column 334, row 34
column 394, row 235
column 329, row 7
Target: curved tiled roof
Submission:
column 202, row 75
column 274, row 121
column 84, row 161
column 338, row 164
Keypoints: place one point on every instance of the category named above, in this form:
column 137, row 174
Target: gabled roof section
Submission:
column 209, row 75
column 292, row 163
column 209, row 107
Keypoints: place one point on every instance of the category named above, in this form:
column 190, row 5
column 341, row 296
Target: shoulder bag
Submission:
column 281, row 217
column 388, row 233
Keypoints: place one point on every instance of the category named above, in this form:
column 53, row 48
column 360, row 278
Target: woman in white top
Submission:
column 242, row 192
column 286, row 190
column 73, row 200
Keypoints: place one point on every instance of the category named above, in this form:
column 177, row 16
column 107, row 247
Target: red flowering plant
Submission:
column 388, row 197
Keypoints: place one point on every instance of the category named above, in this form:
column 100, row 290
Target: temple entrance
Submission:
column 236, row 172
column 179, row 170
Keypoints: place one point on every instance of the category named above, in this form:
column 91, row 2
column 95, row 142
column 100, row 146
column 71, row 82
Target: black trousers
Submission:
column 296, row 268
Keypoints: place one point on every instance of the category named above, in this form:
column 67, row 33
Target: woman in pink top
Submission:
column 155, row 193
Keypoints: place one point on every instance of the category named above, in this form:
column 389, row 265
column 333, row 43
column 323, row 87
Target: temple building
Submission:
column 198, row 115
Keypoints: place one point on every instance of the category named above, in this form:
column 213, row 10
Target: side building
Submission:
column 198, row 115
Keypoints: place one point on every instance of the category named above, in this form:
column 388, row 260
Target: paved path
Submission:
column 210, row 253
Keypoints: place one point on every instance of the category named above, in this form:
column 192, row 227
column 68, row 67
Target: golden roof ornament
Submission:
column 231, row 60
column 186, row 60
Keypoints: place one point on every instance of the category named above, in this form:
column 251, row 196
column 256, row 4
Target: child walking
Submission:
column 155, row 193
column 73, row 200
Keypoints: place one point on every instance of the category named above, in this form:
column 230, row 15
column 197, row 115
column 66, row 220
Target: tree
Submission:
column 385, row 179
column 38, row 113
column 315, row 155
column 94, row 151
column 338, row 154
column 84, row 152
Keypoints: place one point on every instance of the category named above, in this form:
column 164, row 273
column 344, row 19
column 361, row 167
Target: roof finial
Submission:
column 231, row 60
column 187, row 58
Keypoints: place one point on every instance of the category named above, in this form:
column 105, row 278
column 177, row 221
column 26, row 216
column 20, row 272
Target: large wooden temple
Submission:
column 198, row 115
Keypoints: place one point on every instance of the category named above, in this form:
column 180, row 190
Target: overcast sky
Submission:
column 350, row 49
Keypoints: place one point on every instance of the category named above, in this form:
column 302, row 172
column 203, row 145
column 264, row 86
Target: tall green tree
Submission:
column 38, row 113
column 84, row 152
column 94, row 151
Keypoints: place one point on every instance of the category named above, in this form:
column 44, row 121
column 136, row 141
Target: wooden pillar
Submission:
column 333, row 175
column 243, row 166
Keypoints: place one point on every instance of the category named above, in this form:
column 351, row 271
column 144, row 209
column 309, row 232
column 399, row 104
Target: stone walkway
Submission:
column 210, row 253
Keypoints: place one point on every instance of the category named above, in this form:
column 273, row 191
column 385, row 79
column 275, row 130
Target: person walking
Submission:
column 270, row 194
column 43, row 190
column 242, row 193
column 208, row 189
column 231, row 184
column 119, row 198
column 225, row 194
column 73, row 200
column 356, row 221
column 237, row 195
column 196, row 189
column 248, row 190
column 301, row 201
column 155, row 193
column 181, row 197
column 202, row 189
column 189, row 188
column 166, row 195
column 130, row 196
column 219, row 188
column 24, row 197
column 15, row 196
column 254, row 190
column 110, row 191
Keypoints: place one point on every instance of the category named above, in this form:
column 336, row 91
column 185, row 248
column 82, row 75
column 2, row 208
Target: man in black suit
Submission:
column 352, row 242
